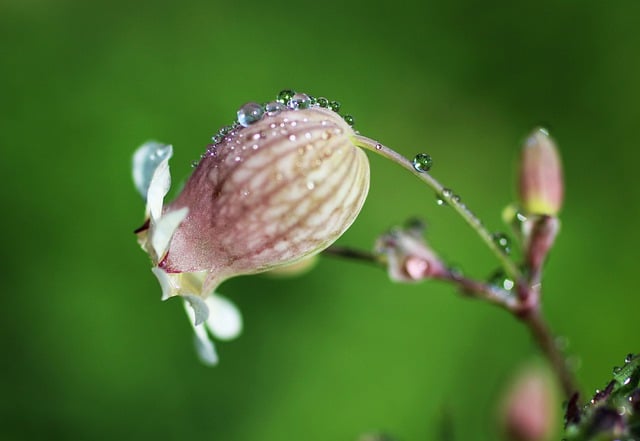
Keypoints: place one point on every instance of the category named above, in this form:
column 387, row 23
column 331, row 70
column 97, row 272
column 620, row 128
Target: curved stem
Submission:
column 547, row 343
column 510, row 268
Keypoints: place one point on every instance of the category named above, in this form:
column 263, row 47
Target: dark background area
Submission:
column 90, row 352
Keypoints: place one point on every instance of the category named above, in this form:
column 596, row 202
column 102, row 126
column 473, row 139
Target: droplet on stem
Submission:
column 422, row 162
column 502, row 241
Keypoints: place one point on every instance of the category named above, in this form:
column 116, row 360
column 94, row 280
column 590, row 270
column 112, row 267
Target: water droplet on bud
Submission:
column 323, row 102
column 422, row 162
column 349, row 120
column 249, row 114
column 285, row 95
column 335, row 106
column 299, row 101
column 273, row 108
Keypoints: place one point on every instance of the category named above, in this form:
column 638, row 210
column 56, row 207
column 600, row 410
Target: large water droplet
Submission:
column 250, row 113
column 285, row 95
column 299, row 101
column 502, row 241
column 422, row 162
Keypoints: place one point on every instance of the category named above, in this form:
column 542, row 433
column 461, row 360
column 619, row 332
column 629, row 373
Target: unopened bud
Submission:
column 281, row 184
column 541, row 182
column 528, row 410
column 409, row 257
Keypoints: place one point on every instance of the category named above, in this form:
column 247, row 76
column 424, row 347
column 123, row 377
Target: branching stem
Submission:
column 454, row 201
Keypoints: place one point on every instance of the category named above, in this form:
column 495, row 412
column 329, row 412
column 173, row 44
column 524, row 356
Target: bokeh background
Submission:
column 90, row 352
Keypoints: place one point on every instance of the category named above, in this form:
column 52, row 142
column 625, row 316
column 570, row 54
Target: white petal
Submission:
column 225, row 321
column 168, row 289
column 164, row 229
column 198, row 310
column 158, row 187
column 145, row 161
column 204, row 346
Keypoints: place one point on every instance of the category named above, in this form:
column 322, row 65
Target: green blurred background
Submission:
column 90, row 352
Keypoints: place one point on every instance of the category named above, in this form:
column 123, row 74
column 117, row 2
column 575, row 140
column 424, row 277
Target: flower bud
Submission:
column 281, row 184
column 409, row 257
column 541, row 185
column 528, row 410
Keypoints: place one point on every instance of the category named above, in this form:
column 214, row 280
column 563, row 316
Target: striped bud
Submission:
column 266, row 194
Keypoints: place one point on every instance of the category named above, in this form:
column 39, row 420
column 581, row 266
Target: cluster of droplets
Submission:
column 251, row 113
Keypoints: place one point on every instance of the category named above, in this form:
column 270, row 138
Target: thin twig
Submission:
column 546, row 341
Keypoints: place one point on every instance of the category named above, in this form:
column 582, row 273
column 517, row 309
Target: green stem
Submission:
column 476, row 224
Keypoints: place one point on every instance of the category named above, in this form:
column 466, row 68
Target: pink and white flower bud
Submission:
column 528, row 411
column 541, row 185
column 281, row 186
column 409, row 257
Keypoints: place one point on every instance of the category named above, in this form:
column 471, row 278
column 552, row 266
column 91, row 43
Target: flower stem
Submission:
column 510, row 268
column 546, row 341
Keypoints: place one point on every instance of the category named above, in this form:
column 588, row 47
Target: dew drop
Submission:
column 224, row 131
column 456, row 198
column 447, row 192
column 285, row 95
column 500, row 280
column 349, row 120
column 502, row 241
column 440, row 202
column 273, row 108
column 628, row 358
column 311, row 185
column 292, row 137
column 616, row 370
column 299, row 101
column 217, row 138
column 422, row 162
column 249, row 114
column 335, row 106
column 378, row 146
column 323, row 102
